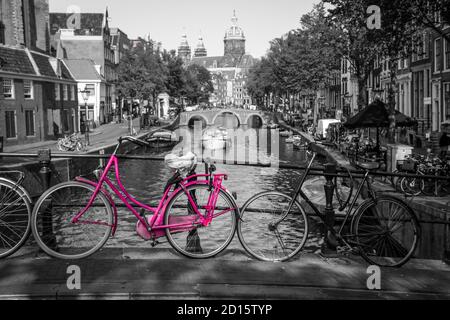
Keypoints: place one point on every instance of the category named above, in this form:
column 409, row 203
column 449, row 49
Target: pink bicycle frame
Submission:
column 156, row 222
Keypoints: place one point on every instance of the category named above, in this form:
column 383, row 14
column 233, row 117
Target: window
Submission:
column 437, row 55
column 57, row 92
column 72, row 93
column 8, row 88
column 447, row 55
column 2, row 32
column 28, row 89
column 447, row 100
column 426, row 45
column 65, row 92
column 29, row 123
column 10, row 119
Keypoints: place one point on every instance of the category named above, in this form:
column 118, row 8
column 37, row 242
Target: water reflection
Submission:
column 146, row 180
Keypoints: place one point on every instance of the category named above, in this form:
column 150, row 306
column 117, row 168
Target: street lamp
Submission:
column 85, row 94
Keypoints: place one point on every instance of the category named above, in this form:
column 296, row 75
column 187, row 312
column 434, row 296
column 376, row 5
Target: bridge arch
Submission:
column 199, row 116
column 221, row 113
column 252, row 115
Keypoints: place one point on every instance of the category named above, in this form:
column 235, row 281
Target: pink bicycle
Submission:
column 198, row 215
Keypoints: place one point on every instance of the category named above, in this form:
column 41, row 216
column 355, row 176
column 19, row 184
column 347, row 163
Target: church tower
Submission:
column 184, row 50
column 200, row 51
column 234, row 39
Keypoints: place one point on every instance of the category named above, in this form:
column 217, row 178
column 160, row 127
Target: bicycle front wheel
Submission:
column 54, row 230
column 269, row 232
column 15, row 216
column 386, row 231
column 412, row 186
column 191, row 238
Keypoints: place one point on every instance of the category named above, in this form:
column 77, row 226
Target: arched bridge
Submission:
column 209, row 117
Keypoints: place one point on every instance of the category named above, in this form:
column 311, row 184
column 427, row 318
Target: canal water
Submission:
column 146, row 180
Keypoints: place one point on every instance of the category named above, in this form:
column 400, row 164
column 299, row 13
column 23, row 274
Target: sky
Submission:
column 167, row 20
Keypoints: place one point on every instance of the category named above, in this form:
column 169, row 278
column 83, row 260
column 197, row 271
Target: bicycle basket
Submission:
column 409, row 166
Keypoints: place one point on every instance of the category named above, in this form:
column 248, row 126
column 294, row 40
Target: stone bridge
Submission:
column 210, row 116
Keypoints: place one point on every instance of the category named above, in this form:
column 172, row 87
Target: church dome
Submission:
column 184, row 43
column 200, row 50
column 184, row 50
column 234, row 32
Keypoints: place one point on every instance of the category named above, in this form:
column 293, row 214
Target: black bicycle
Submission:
column 383, row 229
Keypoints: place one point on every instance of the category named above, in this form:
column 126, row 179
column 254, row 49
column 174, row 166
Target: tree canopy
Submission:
column 144, row 73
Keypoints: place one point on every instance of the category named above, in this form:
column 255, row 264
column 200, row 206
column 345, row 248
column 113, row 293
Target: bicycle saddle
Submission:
column 181, row 163
column 368, row 166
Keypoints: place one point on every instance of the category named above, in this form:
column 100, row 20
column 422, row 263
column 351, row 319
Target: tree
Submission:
column 303, row 59
column 401, row 21
column 199, row 84
column 141, row 75
column 176, row 80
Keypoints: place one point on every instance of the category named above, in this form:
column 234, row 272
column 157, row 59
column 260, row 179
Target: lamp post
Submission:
column 85, row 94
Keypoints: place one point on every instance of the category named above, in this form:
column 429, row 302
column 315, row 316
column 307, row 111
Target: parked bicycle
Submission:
column 196, row 214
column 15, row 214
column 384, row 230
column 71, row 143
column 426, row 166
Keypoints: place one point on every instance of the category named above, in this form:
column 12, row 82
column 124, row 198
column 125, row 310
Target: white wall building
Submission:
column 92, row 104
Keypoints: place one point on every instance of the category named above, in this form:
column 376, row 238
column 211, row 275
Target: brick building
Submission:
column 37, row 96
column 87, row 36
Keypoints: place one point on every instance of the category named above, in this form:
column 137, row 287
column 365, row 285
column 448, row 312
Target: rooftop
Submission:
column 83, row 69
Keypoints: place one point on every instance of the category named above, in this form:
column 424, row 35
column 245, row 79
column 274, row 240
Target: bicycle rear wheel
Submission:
column 194, row 240
column 15, row 216
column 387, row 231
column 52, row 221
column 268, row 232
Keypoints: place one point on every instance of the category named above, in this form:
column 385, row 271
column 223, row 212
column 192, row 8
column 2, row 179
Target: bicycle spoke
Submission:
column 397, row 246
column 394, row 246
column 269, row 231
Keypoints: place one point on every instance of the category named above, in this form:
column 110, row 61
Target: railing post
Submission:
column 330, row 217
column 44, row 158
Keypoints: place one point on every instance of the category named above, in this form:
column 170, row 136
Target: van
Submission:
column 322, row 126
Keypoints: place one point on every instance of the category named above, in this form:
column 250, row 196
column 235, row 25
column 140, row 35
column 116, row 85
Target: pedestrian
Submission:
column 444, row 142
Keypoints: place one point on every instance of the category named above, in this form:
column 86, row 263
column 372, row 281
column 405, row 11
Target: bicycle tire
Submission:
column 376, row 231
column 200, row 242
column 15, row 233
column 259, row 238
column 60, row 198
column 412, row 186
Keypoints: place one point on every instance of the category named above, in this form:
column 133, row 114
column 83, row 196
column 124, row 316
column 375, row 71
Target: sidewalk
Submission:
column 161, row 274
column 105, row 134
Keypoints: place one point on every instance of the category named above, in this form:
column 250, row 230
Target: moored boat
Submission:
column 285, row 134
column 300, row 145
column 293, row 139
column 163, row 139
